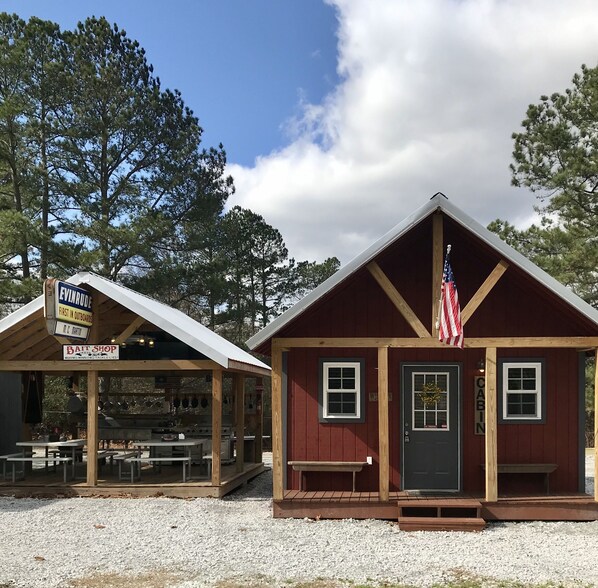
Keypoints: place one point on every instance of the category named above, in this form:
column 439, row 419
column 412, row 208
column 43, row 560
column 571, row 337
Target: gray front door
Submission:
column 431, row 426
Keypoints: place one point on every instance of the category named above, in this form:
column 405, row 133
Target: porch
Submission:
column 166, row 482
column 365, row 505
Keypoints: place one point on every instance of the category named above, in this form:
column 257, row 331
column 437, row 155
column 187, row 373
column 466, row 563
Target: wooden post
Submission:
column 93, row 388
column 277, row 465
column 491, row 427
column 239, row 391
column 383, row 445
column 93, row 385
column 596, row 427
column 259, row 431
column 437, row 262
column 216, row 425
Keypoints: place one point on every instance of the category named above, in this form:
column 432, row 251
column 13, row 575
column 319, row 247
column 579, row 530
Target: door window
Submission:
column 430, row 401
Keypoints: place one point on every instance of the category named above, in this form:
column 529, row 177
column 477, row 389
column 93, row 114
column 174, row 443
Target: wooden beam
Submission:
column 246, row 368
column 145, row 365
column 277, row 465
column 483, row 290
column 596, row 426
column 259, row 430
column 491, row 459
column 239, row 391
column 383, row 443
column 437, row 263
column 130, row 330
column 37, row 315
column 92, row 427
column 216, row 425
column 28, row 337
column 407, row 342
column 397, row 299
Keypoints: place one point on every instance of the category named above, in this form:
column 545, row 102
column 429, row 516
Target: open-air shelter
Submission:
column 155, row 341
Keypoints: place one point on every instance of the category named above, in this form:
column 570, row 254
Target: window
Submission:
column 522, row 391
column 430, row 400
column 341, row 397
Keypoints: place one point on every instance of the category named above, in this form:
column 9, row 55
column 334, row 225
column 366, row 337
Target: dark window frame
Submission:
column 359, row 401
column 539, row 364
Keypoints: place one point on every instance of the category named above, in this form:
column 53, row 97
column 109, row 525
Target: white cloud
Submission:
column 431, row 92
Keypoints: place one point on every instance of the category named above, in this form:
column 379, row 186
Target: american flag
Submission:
column 450, row 330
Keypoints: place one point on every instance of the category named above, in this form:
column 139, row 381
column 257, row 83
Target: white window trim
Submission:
column 343, row 364
column 537, row 366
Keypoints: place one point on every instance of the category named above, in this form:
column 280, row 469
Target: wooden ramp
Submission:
column 440, row 514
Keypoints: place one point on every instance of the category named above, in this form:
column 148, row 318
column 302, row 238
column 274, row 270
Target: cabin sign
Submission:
column 479, row 391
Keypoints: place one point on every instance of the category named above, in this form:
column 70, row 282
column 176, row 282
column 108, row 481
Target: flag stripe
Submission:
column 450, row 328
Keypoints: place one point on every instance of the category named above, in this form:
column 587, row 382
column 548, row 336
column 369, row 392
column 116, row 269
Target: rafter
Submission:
column 397, row 299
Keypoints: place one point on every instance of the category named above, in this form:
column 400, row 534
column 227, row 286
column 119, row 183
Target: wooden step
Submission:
column 441, row 523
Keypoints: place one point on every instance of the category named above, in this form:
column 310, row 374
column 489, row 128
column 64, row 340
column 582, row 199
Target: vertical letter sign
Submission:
column 479, row 393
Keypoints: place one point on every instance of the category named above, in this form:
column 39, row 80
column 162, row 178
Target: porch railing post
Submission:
column 383, row 444
column 491, row 427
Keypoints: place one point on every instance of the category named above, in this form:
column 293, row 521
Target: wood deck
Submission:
column 165, row 483
column 364, row 505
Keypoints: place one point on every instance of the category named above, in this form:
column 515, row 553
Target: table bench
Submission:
column 121, row 458
column 45, row 459
column 4, row 458
column 327, row 466
column 185, row 460
column 528, row 468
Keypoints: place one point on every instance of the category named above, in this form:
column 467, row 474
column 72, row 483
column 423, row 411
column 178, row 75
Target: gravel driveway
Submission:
column 160, row 542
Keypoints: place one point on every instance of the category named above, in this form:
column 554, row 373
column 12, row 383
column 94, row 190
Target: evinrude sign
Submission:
column 68, row 309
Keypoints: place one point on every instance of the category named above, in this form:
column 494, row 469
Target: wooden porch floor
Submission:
column 167, row 482
column 362, row 505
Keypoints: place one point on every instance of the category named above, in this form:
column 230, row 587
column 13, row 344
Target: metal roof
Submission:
column 441, row 203
column 170, row 320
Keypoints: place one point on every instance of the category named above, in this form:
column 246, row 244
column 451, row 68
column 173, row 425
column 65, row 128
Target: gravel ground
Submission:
column 159, row 542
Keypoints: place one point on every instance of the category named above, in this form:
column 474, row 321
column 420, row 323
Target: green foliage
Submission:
column 556, row 156
column 103, row 169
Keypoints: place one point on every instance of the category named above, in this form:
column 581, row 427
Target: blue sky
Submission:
column 242, row 66
column 340, row 118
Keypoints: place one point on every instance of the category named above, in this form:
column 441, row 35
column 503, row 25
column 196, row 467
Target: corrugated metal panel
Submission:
column 172, row 321
column 438, row 202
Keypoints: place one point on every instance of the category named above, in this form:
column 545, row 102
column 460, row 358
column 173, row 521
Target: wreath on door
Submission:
column 430, row 394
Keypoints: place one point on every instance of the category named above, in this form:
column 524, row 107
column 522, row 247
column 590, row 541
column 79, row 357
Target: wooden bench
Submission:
column 185, row 460
column 528, row 468
column 53, row 459
column 327, row 466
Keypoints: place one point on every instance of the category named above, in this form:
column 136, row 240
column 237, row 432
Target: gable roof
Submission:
column 170, row 320
column 437, row 203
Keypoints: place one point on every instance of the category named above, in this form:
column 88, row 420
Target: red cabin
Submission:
column 371, row 411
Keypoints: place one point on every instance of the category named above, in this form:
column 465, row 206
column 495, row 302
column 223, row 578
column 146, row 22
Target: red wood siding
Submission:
column 517, row 306
column 556, row 441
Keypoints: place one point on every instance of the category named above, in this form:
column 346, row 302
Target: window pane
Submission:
column 521, row 405
column 514, row 372
column 418, row 419
column 418, row 381
column 430, row 418
column 529, row 384
column 514, row 384
column 441, row 419
column 348, row 383
column 334, row 372
column 335, row 397
column 349, row 407
column 529, row 373
column 334, row 384
column 441, row 382
column 334, row 408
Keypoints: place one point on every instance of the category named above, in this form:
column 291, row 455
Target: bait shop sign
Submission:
column 89, row 352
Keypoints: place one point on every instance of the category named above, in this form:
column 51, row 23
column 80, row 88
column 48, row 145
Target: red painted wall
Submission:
column 517, row 306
